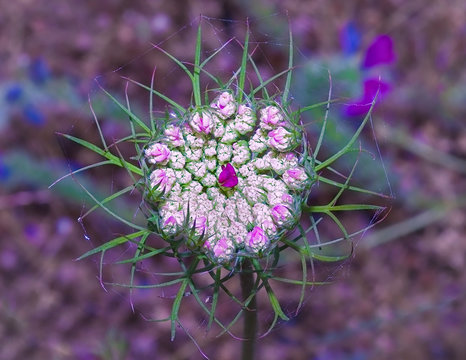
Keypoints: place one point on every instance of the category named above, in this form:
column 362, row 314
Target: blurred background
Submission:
column 402, row 295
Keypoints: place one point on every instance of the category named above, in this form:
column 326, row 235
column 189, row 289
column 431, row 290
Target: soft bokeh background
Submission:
column 402, row 296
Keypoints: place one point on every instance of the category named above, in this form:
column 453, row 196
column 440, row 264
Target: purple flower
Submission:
column 381, row 51
column 362, row 106
column 227, row 177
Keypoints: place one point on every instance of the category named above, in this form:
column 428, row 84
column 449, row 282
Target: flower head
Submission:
column 223, row 250
column 296, row 178
column 222, row 178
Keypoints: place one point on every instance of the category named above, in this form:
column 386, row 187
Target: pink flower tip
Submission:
column 256, row 239
column 227, row 177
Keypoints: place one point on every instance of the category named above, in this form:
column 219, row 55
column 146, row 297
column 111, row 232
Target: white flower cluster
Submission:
column 228, row 181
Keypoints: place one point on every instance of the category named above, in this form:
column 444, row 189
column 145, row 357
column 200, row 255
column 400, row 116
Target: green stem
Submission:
column 250, row 313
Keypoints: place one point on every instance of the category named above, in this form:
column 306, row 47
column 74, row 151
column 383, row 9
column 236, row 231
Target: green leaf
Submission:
column 115, row 160
column 159, row 94
column 350, row 143
column 290, row 65
column 196, row 75
column 272, row 297
column 176, row 307
column 346, row 207
column 242, row 73
column 128, row 112
column 112, row 243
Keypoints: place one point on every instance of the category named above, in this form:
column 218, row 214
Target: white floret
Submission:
column 242, row 127
column 211, row 148
column 241, row 154
column 192, row 154
column 198, row 169
column 246, row 170
column 211, row 164
column 177, row 160
column 183, row 176
column 209, row 180
column 224, row 152
column 219, row 128
column 230, row 135
column 194, row 187
column 258, row 142
column 194, row 141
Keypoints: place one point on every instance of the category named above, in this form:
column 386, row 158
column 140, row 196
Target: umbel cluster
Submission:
column 229, row 178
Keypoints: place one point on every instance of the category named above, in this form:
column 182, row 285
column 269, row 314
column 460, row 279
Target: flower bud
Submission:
column 174, row 136
column 271, row 117
column 296, row 178
column 162, row 180
column 256, row 240
column 281, row 215
column 225, row 105
column 158, row 153
column 227, row 177
column 170, row 225
column 280, row 139
column 222, row 250
column 202, row 122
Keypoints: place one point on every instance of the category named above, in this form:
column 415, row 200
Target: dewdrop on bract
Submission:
column 228, row 179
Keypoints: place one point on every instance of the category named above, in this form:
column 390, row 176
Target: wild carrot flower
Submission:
column 233, row 187
column 224, row 184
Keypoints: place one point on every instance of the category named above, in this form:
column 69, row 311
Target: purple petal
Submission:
column 362, row 106
column 381, row 51
column 227, row 177
column 231, row 182
column 371, row 86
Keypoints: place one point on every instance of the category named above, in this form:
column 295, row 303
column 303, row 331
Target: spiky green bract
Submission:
column 186, row 242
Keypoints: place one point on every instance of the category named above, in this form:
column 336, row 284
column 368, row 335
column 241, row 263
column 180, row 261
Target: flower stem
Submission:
column 250, row 314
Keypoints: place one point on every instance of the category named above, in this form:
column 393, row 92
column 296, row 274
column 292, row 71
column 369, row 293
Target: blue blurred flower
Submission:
column 350, row 38
column 33, row 115
column 4, row 171
column 13, row 93
column 380, row 51
column 39, row 71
